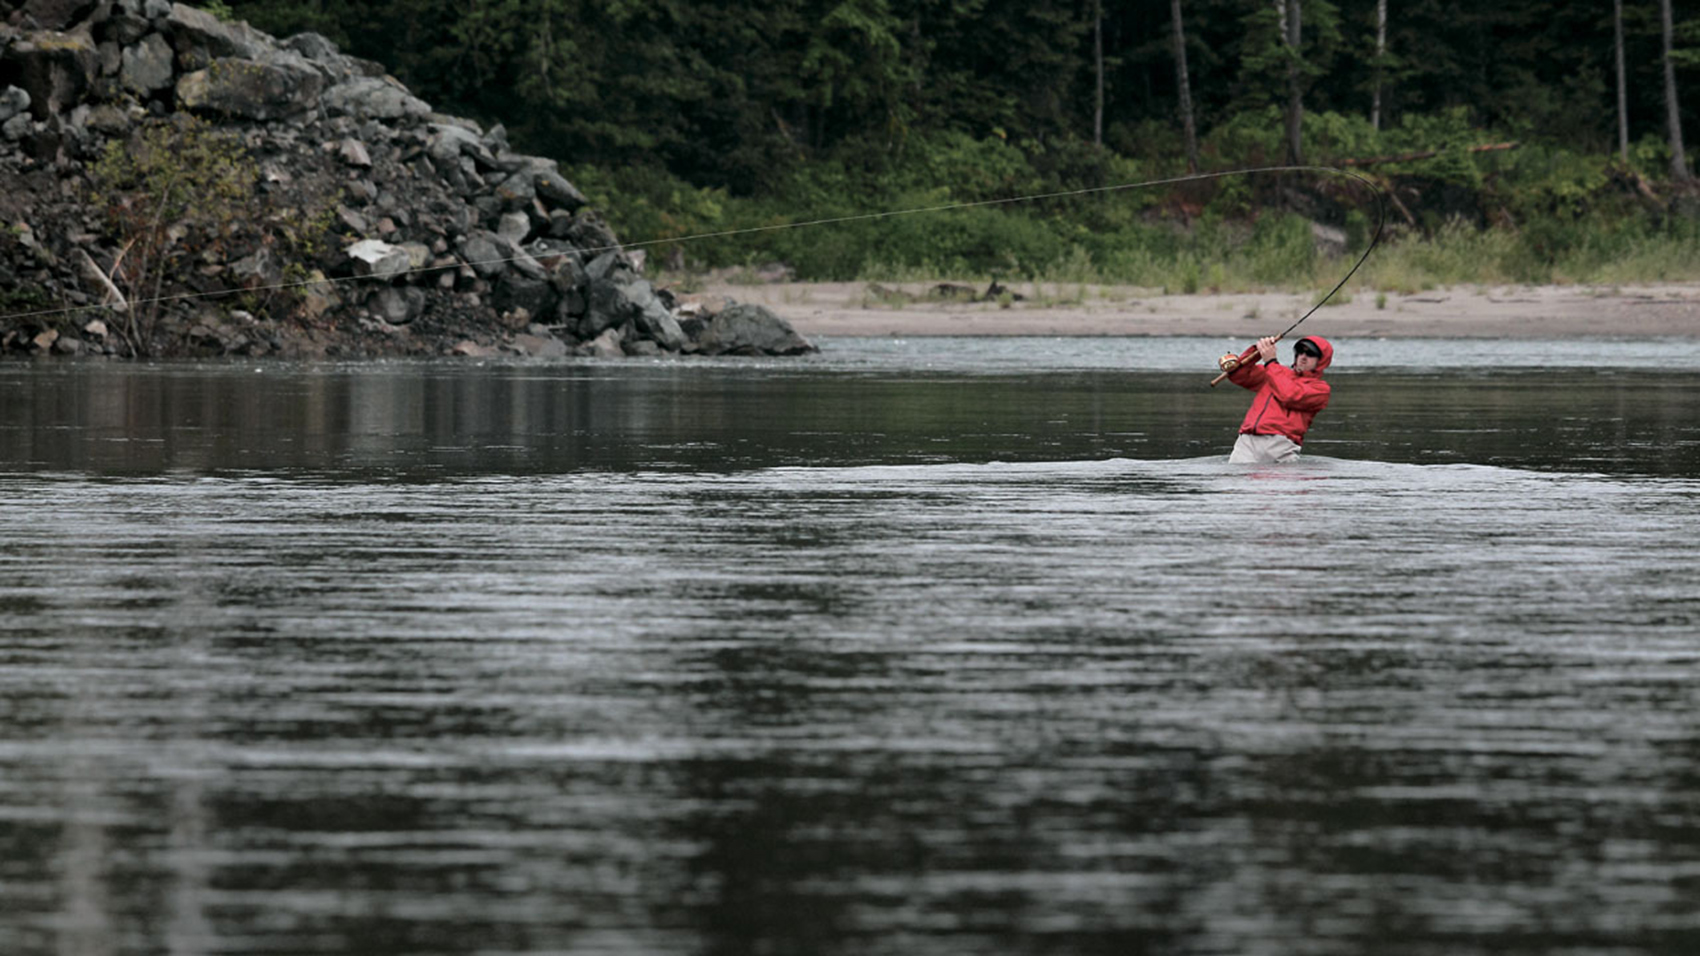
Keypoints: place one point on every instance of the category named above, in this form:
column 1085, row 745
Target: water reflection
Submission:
column 428, row 421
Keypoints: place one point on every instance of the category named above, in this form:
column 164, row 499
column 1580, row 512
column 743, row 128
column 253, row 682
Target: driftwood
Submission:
column 1424, row 154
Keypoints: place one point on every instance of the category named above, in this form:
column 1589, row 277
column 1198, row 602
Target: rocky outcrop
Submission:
column 364, row 222
column 749, row 330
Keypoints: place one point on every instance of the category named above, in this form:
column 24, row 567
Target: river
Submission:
column 916, row 646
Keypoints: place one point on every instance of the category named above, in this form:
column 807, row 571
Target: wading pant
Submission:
column 1263, row 449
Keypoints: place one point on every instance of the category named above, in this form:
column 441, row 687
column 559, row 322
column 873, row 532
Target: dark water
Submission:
column 908, row 649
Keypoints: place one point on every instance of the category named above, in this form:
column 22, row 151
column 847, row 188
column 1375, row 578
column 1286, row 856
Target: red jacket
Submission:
column 1285, row 400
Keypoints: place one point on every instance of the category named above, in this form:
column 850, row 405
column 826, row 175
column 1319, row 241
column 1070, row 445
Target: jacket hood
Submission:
column 1322, row 346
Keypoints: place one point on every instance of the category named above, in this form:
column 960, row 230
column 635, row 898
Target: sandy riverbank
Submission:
column 907, row 309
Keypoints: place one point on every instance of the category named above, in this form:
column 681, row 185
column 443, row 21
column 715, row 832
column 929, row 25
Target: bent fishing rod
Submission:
column 1380, row 223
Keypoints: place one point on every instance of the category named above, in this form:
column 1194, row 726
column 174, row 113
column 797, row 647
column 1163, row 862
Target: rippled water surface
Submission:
column 885, row 652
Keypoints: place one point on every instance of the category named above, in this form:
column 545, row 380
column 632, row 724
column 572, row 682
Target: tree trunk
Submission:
column 1381, row 51
column 1673, row 111
column 1295, row 94
column 1098, row 67
column 1622, row 85
column 1184, row 84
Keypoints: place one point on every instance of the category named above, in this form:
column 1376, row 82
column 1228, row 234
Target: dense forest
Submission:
column 691, row 116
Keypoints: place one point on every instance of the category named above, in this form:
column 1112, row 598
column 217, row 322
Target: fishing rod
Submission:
column 1380, row 223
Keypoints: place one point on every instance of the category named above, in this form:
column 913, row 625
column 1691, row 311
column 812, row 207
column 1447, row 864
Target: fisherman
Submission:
column 1284, row 399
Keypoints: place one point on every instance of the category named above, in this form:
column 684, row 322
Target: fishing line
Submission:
column 590, row 253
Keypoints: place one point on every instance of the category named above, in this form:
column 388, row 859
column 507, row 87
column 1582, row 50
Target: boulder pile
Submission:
column 366, row 223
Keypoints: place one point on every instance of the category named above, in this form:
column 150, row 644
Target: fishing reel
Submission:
column 1228, row 362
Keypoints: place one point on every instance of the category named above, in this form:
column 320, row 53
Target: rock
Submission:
column 322, row 128
column 553, row 187
column 52, row 14
column 13, row 101
column 704, row 306
column 418, row 255
column 751, row 330
column 259, row 270
column 519, row 260
column 545, row 346
column 605, row 265
column 397, row 306
column 314, row 46
column 659, row 324
column 110, row 120
column 588, row 231
column 111, row 57
column 514, row 226
column 485, row 254
column 517, row 191
column 367, row 97
column 250, row 89
column 606, row 345
column 131, row 20
column 351, row 220
column 318, row 295
column 514, row 291
column 378, row 259
column 448, row 143
column 613, row 303
column 353, row 152
column 550, row 252
column 471, row 349
column 445, row 268
column 147, row 66
column 191, row 27
column 55, row 69
column 571, row 286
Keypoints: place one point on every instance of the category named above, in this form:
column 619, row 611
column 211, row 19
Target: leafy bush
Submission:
column 181, row 194
column 1541, row 213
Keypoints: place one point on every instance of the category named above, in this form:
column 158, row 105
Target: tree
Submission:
column 1280, row 60
column 1673, row 110
column 1380, row 62
column 1291, row 20
column 1183, row 85
column 1622, row 84
column 1098, row 72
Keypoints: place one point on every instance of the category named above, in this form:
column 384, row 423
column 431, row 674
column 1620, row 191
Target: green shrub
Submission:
column 936, row 206
column 180, row 194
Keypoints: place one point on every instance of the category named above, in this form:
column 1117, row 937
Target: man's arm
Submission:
column 1248, row 374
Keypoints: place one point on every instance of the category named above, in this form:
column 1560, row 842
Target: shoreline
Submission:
column 1670, row 310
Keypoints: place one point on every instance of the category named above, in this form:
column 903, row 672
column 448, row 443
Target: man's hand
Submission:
column 1266, row 348
column 1228, row 363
